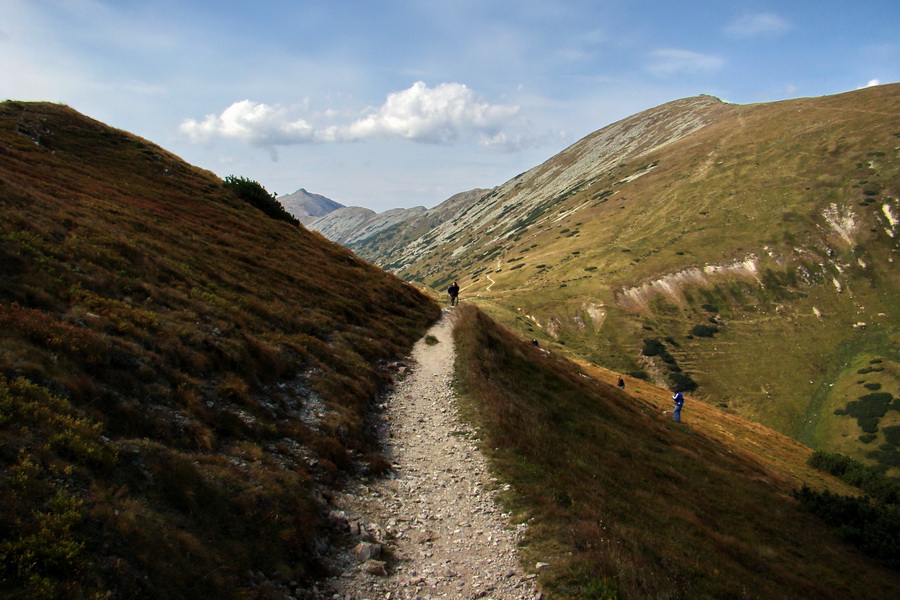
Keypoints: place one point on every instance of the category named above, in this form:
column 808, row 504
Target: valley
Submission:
column 773, row 224
column 196, row 390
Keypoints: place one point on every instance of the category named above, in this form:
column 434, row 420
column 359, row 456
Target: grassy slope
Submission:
column 178, row 372
column 624, row 503
column 757, row 182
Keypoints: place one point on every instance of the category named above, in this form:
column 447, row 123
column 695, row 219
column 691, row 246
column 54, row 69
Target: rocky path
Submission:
column 432, row 529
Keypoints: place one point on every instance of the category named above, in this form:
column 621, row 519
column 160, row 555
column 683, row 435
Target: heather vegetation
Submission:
column 872, row 521
column 182, row 376
column 622, row 502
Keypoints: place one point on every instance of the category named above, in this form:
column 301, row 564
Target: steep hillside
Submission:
column 350, row 224
column 308, row 207
column 622, row 502
column 389, row 245
column 748, row 250
column 180, row 374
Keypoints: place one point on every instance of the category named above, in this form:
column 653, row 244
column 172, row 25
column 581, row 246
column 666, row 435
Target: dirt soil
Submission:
column 432, row 527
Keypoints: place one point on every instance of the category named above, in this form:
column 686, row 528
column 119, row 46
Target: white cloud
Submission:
column 437, row 115
column 871, row 83
column 444, row 114
column 253, row 123
column 758, row 25
column 672, row 61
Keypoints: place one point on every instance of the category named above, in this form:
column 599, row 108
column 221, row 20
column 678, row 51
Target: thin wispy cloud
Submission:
column 758, row 25
column 216, row 82
column 445, row 114
column 667, row 62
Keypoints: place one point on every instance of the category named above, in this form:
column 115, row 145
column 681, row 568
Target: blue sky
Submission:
column 397, row 103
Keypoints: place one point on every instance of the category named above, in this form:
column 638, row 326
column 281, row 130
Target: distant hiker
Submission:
column 535, row 343
column 678, row 399
column 621, row 382
column 453, row 291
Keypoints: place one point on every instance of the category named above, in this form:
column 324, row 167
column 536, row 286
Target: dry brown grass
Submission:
column 221, row 362
column 625, row 503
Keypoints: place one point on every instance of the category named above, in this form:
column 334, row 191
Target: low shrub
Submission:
column 704, row 330
column 886, row 455
column 652, row 347
column 873, row 527
column 868, row 410
column 253, row 193
column 892, row 435
column 870, row 480
column 681, row 382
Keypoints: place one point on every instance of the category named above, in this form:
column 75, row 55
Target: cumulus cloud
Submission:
column 444, row 114
column 672, row 61
column 253, row 123
column 871, row 83
column 758, row 25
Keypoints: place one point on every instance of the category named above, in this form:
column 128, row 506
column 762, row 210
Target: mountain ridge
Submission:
column 184, row 380
column 349, row 224
column 307, row 207
column 780, row 218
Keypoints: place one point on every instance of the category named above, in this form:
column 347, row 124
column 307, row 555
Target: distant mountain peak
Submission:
column 308, row 207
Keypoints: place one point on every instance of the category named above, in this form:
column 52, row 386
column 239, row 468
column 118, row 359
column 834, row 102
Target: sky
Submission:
column 400, row 103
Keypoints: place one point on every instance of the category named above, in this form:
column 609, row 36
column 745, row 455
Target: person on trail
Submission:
column 678, row 399
column 453, row 291
column 621, row 382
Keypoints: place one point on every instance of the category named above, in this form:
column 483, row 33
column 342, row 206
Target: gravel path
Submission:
column 432, row 529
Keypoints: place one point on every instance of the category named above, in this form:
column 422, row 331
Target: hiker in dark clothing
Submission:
column 621, row 382
column 453, row 290
column 678, row 399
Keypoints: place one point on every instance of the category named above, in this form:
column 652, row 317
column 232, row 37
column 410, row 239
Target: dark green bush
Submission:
column 868, row 424
column 869, row 409
column 704, row 330
column 255, row 194
column 653, row 347
column 892, row 434
column 870, row 480
column 867, row 370
column 682, row 382
column 886, row 455
column 873, row 527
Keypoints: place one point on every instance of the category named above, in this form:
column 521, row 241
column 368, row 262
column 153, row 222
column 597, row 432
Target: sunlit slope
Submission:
column 778, row 224
column 180, row 374
column 622, row 502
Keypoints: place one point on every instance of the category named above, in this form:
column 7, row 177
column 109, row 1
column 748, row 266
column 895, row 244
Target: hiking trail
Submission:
column 432, row 527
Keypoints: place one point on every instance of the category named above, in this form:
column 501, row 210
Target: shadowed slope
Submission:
column 180, row 373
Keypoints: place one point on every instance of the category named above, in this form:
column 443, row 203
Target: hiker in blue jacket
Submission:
column 678, row 399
